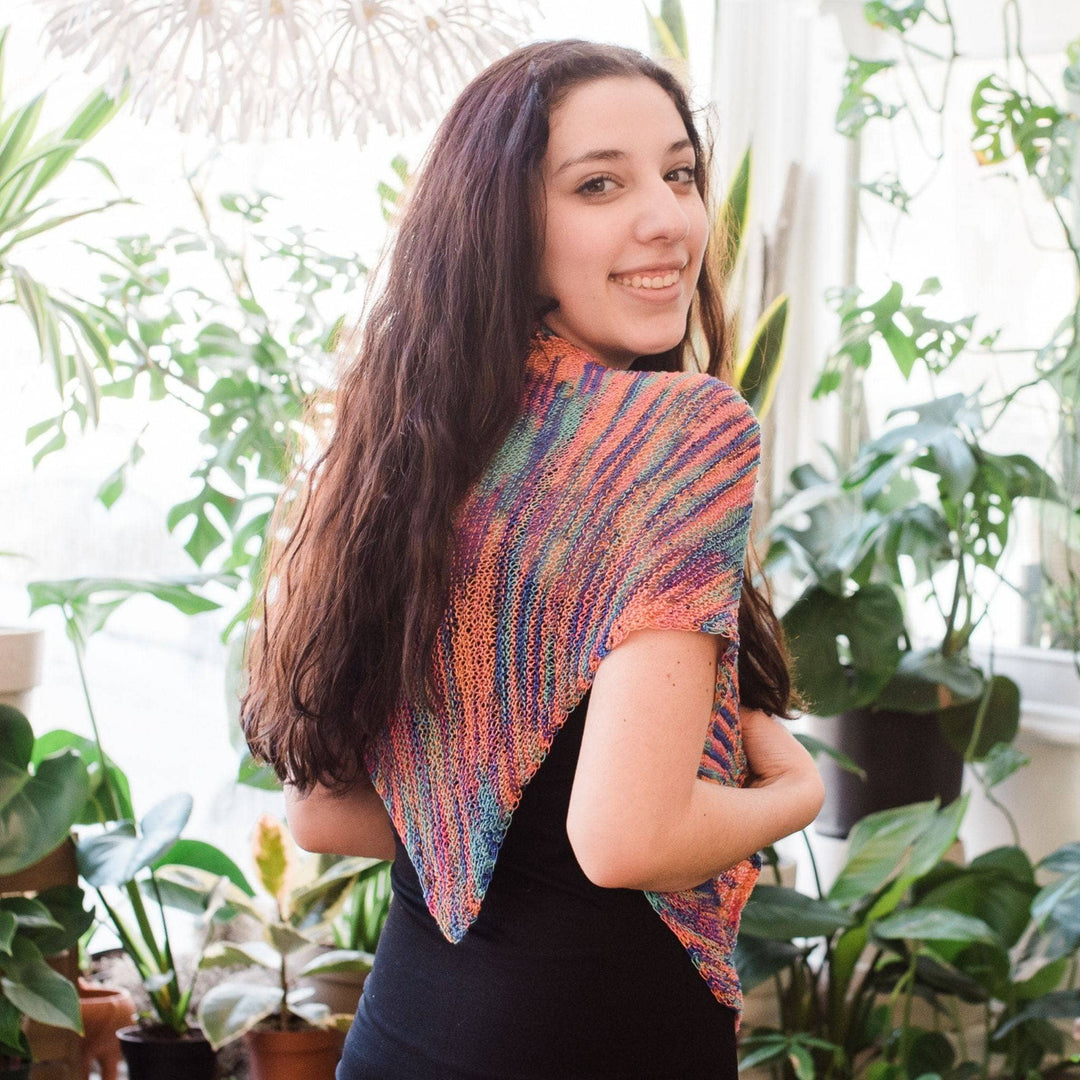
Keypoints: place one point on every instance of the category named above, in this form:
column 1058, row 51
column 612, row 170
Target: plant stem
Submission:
column 283, row 1013
column 112, row 797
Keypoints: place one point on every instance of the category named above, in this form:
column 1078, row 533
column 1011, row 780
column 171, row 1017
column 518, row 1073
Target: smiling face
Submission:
column 625, row 225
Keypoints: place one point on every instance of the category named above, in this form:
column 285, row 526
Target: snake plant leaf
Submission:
column 36, row 814
column 230, row 1009
column 36, row 990
column 119, row 854
column 871, row 621
column 733, row 216
column 758, row 369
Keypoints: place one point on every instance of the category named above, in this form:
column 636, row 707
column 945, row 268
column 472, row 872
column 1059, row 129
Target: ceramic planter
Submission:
column 151, row 1055
column 304, row 1054
column 906, row 759
column 339, row 990
column 105, row 1010
column 20, row 665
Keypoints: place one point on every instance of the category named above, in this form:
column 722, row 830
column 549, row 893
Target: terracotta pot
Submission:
column 105, row 1010
column 304, row 1054
column 151, row 1055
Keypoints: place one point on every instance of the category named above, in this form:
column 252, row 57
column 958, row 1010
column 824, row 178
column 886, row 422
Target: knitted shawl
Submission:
column 619, row 500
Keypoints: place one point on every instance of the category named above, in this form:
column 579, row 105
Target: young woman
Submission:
column 500, row 640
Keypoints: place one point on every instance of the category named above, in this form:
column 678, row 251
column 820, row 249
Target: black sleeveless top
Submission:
column 557, row 978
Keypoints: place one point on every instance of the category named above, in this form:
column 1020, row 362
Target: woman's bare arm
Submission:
column 352, row 823
column 639, row 816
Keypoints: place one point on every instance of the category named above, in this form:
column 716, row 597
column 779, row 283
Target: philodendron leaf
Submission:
column 877, row 847
column 271, row 850
column 38, row 816
column 37, row 991
column 352, row 960
column 116, row 856
column 934, row 924
column 782, row 914
column 229, row 1009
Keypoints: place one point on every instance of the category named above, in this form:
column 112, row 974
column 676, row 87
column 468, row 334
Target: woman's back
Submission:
column 556, row 978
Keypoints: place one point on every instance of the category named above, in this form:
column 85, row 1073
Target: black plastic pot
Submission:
column 906, row 759
column 161, row 1055
column 14, row 1070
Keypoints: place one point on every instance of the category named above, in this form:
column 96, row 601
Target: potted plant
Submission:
column 355, row 928
column 38, row 919
column 287, row 1034
column 924, row 508
column 910, row 965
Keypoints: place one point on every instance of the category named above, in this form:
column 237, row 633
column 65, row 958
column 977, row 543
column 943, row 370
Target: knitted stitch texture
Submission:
column 619, row 500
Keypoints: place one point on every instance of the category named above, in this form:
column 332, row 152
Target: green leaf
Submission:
column 757, row 371
column 976, row 727
column 36, row 820
column 241, row 954
column 934, row 924
column 757, row 959
column 203, row 856
column 116, row 856
column 39, row 992
column 923, row 676
column 1062, row 1004
column 870, row 622
column 733, row 217
column 7, row 930
column 229, row 1009
column 781, row 914
column 1001, row 762
column 69, row 919
column 350, row 960
column 272, row 853
column 876, row 849
column 816, row 747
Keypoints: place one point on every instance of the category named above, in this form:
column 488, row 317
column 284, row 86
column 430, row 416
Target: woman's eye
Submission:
column 683, row 175
column 596, row 185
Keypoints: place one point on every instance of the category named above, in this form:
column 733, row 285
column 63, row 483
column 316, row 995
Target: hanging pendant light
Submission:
column 245, row 68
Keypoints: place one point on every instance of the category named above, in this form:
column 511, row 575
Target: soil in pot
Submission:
column 906, row 759
column 303, row 1054
column 156, row 1053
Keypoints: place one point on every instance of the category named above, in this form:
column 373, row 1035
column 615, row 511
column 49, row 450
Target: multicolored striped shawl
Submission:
column 620, row 500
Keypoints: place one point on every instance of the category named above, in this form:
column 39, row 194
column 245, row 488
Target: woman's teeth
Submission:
column 656, row 281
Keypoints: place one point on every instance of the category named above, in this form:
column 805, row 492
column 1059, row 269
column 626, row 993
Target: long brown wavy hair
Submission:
column 359, row 556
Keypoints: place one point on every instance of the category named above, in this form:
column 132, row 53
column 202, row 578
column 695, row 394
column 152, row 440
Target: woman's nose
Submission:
column 661, row 215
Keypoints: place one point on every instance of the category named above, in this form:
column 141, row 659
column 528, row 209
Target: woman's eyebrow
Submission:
column 613, row 155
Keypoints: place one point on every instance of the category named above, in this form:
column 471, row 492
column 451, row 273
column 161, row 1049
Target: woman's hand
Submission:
column 776, row 757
